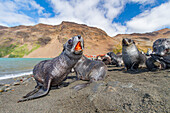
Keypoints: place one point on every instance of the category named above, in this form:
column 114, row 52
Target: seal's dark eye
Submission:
column 70, row 41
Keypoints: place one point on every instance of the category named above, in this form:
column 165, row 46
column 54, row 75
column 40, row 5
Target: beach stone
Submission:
column 7, row 89
column 1, row 84
column 7, row 85
column 2, row 88
column 16, row 83
column 129, row 85
column 113, row 83
column 110, row 89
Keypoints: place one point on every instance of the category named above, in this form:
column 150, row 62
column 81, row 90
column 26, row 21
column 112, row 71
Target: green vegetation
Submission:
column 118, row 49
column 15, row 50
column 5, row 50
column 36, row 46
column 20, row 51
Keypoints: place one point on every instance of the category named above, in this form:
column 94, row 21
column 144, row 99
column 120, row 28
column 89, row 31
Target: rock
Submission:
column 129, row 85
column 2, row 88
column 7, row 85
column 110, row 89
column 1, row 84
column 113, row 83
column 16, row 83
column 7, row 89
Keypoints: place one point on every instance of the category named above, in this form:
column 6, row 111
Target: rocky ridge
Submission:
column 43, row 40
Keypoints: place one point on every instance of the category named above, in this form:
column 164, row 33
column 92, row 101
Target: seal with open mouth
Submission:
column 89, row 70
column 131, row 55
column 52, row 72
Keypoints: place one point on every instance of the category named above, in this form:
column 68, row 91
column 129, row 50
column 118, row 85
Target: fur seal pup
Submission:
column 131, row 55
column 89, row 70
column 160, row 58
column 115, row 59
column 52, row 72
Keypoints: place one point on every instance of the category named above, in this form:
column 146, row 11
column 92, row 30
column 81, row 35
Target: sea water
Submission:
column 15, row 67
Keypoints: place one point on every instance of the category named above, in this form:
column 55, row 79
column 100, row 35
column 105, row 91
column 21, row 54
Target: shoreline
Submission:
column 8, row 84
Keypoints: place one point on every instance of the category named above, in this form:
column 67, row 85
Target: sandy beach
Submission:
column 140, row 92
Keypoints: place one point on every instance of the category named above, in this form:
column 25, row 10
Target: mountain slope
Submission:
column 44, row 40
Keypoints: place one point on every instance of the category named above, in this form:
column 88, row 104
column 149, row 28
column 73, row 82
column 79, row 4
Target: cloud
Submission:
column 96, row 13
column 89, row 12
column 13, row 12
column 143, row 1
column 151, row 20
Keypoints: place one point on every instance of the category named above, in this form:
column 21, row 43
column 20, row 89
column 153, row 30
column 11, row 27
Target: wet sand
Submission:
column 121, row 91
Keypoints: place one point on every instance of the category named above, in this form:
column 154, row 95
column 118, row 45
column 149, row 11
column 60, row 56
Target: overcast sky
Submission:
column 112, row 16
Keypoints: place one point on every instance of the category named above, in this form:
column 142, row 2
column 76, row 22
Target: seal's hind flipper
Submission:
column 41, row 92
column 32, row 92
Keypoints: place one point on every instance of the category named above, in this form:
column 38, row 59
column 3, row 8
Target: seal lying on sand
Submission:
column 52, row 72
column 131, row 55
column 115, row 59
column 89, row 70
column 160, row 58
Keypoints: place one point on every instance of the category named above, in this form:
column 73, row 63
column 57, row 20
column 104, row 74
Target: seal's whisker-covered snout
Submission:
column 79, row 36
column 125, row 42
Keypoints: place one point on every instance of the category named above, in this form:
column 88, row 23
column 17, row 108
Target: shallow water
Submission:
column 15, row 67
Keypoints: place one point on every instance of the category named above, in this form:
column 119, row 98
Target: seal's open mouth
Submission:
column 78, row 46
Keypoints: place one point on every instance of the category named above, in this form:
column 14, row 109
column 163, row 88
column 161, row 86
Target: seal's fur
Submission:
column 131, row 55
column 52, row 72
column 160, row 58
column 89, row 70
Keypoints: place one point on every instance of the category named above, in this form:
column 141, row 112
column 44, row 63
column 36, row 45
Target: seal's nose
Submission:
column 79, row 36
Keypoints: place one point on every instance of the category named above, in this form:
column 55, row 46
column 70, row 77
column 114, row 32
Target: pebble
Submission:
column 129, row 85
column 7, row 85
column 110, row 89
column 16, row 83
column 113, row 83
column 2, row 89
column 1, row 84
column 7, row 89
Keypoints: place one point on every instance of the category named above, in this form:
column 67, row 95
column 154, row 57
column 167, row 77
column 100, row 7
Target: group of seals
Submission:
column 115, row 59
column 132, row 58
column 52, row 72
column 160, row 57
column 89, row 70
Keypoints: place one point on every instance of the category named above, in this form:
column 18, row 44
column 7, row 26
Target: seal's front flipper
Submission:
column 134, row 66
column 80, row 86
column 41, row 92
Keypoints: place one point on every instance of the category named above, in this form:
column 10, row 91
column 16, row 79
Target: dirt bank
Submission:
column 140, row 91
